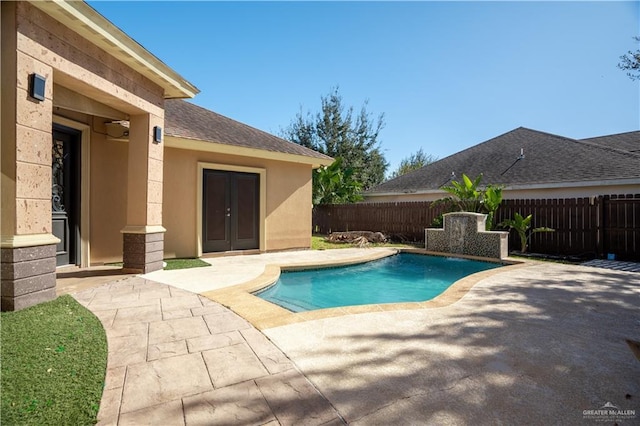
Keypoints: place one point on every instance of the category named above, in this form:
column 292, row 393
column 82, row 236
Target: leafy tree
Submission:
column 413, row 162
column 340, row 133
column 522, row 226
column 334, row 185
column 631, row 63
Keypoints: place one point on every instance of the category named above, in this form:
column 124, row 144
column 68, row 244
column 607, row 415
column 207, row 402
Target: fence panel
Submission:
column 622, row 226
column 403, row 220
column 589, row 227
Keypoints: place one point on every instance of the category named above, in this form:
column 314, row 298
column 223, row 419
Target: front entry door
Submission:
column 65, row 193
column 230, row 211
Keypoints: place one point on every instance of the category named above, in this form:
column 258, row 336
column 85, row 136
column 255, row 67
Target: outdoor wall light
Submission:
column 118, row 129
column 37, row 86
column 157, row 134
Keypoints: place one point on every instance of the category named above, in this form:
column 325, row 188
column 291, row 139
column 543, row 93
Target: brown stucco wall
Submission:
column 179, row 209
column 108, row 198
column 108, row 180
column 288, row 200
column 33, row 41
column 107, row 177
column 124, row 189
column 288, row 206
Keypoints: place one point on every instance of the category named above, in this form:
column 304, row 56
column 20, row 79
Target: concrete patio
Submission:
column 537, row 344
column 178, row 358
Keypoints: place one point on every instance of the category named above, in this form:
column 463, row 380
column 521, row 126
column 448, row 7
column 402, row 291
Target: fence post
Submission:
column 602, row 243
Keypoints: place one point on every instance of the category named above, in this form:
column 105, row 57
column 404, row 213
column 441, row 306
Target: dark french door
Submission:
column 230, row 211
column 65, row 193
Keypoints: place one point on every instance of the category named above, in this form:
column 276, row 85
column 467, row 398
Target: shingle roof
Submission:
column 629, row 141
column 189, row 121
column 548, row 159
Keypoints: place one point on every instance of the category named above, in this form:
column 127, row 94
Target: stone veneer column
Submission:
column 143, row 252
column 28, row 276
column 28, row 250
column 143, row 237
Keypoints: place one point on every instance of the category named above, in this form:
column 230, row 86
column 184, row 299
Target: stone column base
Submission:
column 142, row 253
column 28, row 276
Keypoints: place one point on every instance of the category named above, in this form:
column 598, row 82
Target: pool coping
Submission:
column 263, row 314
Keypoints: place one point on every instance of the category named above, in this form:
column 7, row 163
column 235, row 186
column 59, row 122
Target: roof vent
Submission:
column 451, row 178
column 518, row 158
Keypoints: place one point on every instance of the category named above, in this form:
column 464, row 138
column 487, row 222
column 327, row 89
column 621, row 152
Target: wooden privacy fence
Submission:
column 588, row 227
column 402, row 220
column 576, row 222
column 621, row 226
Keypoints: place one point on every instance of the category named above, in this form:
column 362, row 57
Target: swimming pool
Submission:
column 400, row 278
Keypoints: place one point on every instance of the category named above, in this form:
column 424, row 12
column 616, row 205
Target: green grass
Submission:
column 184, row 263
column 54, row 358
column 318, row 243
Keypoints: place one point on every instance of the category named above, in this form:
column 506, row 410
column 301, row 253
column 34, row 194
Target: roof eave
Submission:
column 91, row 25
column 518, row 187
column 405, row 192
column 221, row 148
column 575, row 184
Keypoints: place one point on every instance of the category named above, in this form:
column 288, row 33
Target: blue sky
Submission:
column 447, row 75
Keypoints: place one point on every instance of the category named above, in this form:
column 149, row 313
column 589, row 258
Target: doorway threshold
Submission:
column 230, row 253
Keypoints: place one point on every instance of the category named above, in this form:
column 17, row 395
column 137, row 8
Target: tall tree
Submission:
column 631, row 63
column 332, row 185
column 413, row 162
column 340, row 133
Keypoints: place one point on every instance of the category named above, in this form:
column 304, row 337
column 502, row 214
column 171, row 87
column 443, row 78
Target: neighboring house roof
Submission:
column 91, row 25
column 548, row 160
column 185, row 120
column 629, row 141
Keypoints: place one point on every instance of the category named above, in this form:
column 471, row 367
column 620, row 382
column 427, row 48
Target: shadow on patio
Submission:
column 536, row 345
column 73, row 279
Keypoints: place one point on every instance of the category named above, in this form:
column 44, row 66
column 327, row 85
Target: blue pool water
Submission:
column 400, row 278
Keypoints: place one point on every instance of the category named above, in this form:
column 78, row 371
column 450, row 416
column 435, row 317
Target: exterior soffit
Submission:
column 220, row 148
column 84, row 20
column 73, row 101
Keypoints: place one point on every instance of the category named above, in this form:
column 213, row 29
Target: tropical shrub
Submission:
column 522, row 225
column 467, row 196
column 491, row 199
column 335, row 185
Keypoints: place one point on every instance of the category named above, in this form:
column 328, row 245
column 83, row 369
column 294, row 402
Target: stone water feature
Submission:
column 464, row 233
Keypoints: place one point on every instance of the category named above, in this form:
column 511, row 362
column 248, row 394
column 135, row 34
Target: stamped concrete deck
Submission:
column 177, row 358
column 538, row 344
column 534, row 345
